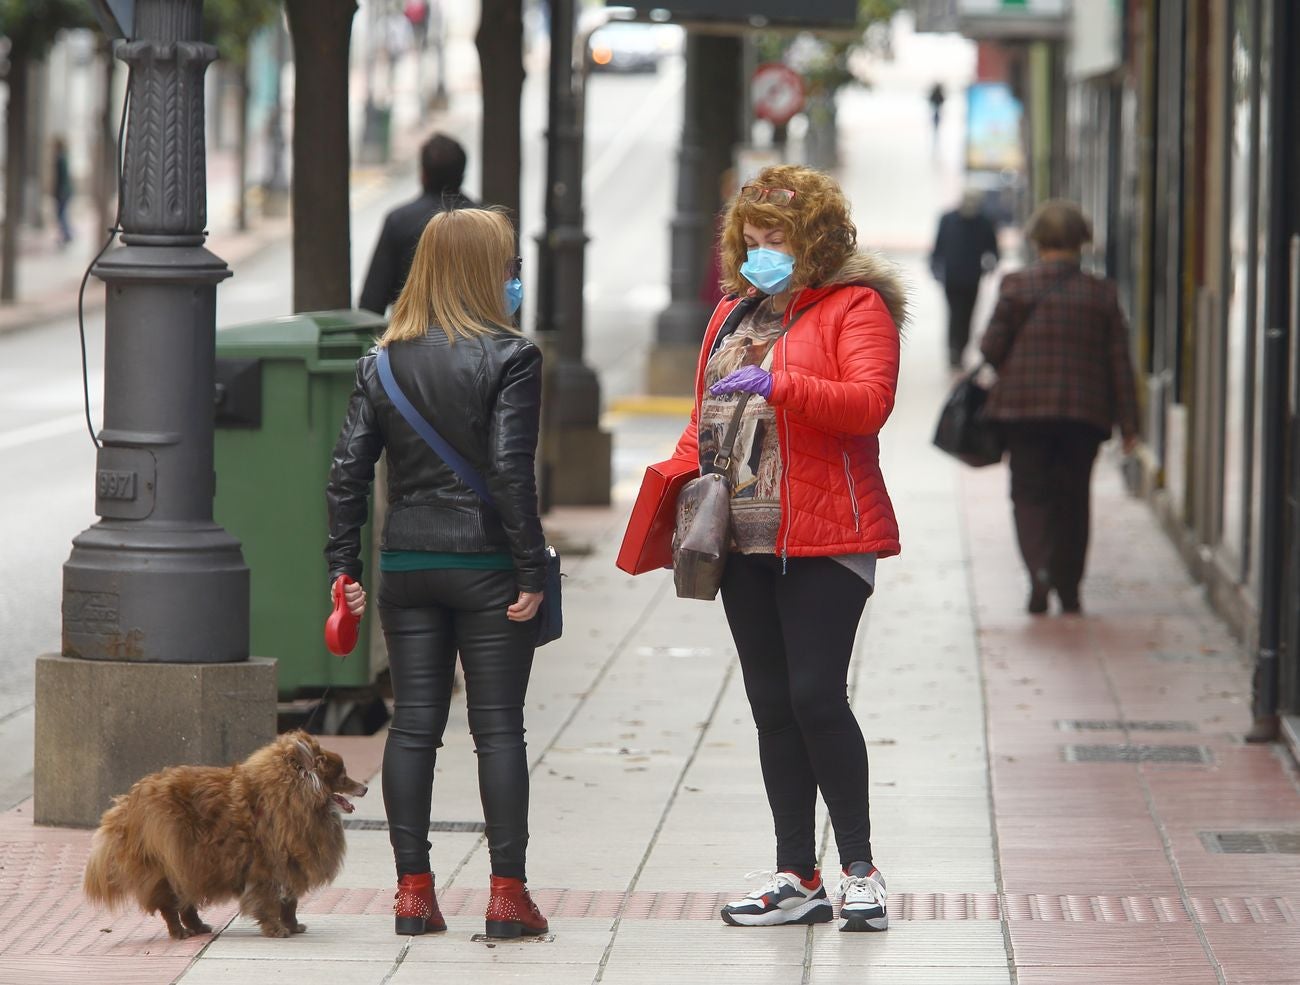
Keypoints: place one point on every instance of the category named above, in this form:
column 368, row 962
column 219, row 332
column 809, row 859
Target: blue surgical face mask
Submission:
column 514, row 295
column 768, row 270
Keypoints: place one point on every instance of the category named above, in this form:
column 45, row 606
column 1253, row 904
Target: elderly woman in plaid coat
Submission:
column 1065, row 380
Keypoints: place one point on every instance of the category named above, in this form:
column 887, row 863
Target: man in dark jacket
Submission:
column 442, row 169
column 965, row 247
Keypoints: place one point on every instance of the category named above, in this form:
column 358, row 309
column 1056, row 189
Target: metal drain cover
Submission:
column 1128, row 753
column 1118, row 725
column 1251, row 842
column 379, row 824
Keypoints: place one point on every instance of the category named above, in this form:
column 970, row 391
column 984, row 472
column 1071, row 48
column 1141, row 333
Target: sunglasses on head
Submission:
column 773, row 196
column 515, row 265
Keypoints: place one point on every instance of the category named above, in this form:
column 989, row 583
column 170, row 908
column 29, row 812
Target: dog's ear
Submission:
column 303, row 751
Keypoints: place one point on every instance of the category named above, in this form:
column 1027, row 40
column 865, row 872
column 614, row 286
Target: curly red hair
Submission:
column 816, row 224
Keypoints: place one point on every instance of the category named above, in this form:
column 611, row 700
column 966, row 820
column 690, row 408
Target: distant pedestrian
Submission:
column 61, row 190
column 811, row 330
column 455, row 574
column 1060, row 344
column 936, row 101
column 965, row 248
column 442, row 169
column 417, row 15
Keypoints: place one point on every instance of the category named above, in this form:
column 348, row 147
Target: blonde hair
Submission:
column 817, row 223
column 457, row 278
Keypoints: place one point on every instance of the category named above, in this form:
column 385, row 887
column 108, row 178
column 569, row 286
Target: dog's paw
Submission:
column 274, row 930
column 201, row 928
column 299, row 928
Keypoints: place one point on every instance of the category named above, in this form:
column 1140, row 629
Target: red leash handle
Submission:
column 341, row 626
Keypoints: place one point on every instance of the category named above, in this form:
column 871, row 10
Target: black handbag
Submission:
column 550, row 615
column 964, row 432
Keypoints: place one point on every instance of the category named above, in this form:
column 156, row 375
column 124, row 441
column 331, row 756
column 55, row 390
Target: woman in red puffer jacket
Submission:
column 811, row 328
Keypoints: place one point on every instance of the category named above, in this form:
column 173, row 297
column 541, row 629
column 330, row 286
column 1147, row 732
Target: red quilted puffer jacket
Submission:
column 834, row 375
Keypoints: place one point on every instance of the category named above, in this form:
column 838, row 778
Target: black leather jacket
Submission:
column 483, row 395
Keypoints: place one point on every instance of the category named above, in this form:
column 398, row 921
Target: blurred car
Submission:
column 632, row 47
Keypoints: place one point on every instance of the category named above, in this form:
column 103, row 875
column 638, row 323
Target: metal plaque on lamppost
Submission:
column 155, row 666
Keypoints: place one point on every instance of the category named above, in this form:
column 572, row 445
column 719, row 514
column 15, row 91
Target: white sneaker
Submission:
column 863, row 900
column 785, row 898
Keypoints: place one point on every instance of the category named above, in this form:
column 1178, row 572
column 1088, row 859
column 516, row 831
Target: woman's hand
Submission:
column 747, row 379
column 526, row 607
column 355, row 597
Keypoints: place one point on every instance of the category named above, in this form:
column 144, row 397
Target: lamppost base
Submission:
column 101, row 725
column 670, row 369
column 577, row 469
column 156, row 593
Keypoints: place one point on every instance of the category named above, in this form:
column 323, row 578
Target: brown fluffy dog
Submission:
column 265, row 831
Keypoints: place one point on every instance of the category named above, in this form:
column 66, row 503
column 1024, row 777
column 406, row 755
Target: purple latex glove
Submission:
column 747, row 379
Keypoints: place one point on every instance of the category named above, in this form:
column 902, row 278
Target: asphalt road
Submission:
column 46, row 499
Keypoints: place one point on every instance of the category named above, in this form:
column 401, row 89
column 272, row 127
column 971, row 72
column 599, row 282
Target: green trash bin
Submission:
column 282, row 390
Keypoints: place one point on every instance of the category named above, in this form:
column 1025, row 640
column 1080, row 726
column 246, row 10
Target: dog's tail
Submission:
column 99, row 884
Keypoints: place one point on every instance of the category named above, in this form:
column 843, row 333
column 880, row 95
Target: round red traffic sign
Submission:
column 777, row 92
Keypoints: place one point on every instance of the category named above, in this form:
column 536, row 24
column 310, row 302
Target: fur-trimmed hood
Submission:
column 882, row 275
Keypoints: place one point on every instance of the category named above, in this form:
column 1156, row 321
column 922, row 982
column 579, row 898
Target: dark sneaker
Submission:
column 784, row 899
column 863, row 899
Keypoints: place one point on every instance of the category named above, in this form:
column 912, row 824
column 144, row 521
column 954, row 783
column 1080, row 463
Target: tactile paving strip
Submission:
column 42, row 911
column 902, row 906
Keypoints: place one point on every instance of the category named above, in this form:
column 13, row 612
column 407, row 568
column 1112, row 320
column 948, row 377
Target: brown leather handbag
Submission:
column 703, row 534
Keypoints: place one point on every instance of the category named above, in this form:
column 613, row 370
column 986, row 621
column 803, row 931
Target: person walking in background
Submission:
column 811, row 330
column 965, row 248
column 61, row 190
column 456, row 574
column 442, row 169
column 1060, row 345
column 936, row 100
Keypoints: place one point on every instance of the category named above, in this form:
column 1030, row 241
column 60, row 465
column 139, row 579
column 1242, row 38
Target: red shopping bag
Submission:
column 648, row 542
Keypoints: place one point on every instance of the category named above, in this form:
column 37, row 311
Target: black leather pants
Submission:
column 427, row 616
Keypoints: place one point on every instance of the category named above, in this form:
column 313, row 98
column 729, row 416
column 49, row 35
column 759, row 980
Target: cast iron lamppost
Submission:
column 155, row 660
column 576, row 453
column 711, row 128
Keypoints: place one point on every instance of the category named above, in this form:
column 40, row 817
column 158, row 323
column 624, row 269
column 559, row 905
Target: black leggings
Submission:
column 794, row 633
column 427, row 616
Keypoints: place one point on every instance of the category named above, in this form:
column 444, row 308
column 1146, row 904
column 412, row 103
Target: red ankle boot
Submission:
column 511, row 911
column 417, row 908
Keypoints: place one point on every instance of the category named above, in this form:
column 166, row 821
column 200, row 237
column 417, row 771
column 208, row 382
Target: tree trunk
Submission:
column 241, row 149
column 322, row 271
column 105, row 171
column 500, row 42
column 15, row 156
column 35, row 176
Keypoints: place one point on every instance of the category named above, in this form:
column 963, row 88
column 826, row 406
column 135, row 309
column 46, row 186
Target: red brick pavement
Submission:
column 1111, row 853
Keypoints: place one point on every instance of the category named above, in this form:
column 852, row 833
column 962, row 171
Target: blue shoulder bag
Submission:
column 550, row 616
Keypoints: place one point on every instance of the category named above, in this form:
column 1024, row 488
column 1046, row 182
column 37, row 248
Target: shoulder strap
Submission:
column 1055, row 286
column 467, row 473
